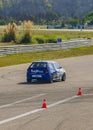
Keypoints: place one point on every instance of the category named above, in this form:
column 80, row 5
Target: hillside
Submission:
column 38, row 10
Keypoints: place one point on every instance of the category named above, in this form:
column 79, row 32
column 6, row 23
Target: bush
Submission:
column 40, row 40
column 10, row 33
column 27, row 26
column 26, row 38
column 45, row 39
column 2, row 22
column 50, row 40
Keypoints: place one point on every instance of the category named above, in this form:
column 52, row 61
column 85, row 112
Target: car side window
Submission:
column 56, row 65
column 51, row 66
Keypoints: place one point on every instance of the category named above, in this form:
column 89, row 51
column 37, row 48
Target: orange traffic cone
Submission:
column 44, row 104
column 79, row 92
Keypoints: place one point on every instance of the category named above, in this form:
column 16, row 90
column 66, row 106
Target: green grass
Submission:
column 64, row 34
column 48, row 55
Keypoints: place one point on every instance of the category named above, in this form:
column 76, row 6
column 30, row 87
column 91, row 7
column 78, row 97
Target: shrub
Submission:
column 40, row 40
column 2, row 22
column 27, row 25
column 26, row 38
column 10, row 33
column 50, row 40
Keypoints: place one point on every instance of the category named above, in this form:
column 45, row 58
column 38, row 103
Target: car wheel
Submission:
column 60, row 78
column 28, row 80
column 51, row 79
column 64, row 77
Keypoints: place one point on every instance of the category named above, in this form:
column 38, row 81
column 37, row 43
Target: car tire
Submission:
column 51, row 79
column 60, row 78
column 64, row 77
column 28, row 80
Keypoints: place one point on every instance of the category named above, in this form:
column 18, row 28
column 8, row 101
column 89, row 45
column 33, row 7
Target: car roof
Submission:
column 47, row 61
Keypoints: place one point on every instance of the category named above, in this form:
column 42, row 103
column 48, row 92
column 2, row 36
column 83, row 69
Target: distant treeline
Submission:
column 45, row 11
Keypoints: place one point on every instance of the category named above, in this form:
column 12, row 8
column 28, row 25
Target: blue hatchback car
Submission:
column 46, row 71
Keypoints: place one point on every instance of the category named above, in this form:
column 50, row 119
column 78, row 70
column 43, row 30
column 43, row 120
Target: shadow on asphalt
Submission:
column 33, row 83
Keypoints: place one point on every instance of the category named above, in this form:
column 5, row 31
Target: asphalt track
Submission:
column 20, row 103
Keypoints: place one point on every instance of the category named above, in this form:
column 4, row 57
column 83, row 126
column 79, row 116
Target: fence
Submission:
column 5, row 50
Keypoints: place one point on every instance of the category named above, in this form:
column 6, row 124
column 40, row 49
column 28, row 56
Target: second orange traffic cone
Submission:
column 79, row 92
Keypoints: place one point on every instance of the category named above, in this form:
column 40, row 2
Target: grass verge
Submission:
column 47, row 55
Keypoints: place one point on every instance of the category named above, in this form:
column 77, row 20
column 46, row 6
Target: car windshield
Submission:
column 38, row 65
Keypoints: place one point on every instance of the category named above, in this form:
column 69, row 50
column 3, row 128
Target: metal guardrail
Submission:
column 5, row 50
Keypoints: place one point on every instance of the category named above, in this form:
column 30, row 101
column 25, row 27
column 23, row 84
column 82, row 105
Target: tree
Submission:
column 89, row 18
column 73, row 22
column 2, row 22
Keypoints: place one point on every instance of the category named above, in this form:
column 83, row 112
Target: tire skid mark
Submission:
column 20, row 101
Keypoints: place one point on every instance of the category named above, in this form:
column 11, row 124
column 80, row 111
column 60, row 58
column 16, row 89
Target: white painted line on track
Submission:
column 19, row 116
column 87, row 94
column 62, row 101
column 23, row 100
column 36, row 110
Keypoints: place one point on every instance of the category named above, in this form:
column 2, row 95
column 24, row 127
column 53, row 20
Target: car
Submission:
column 45, row 70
